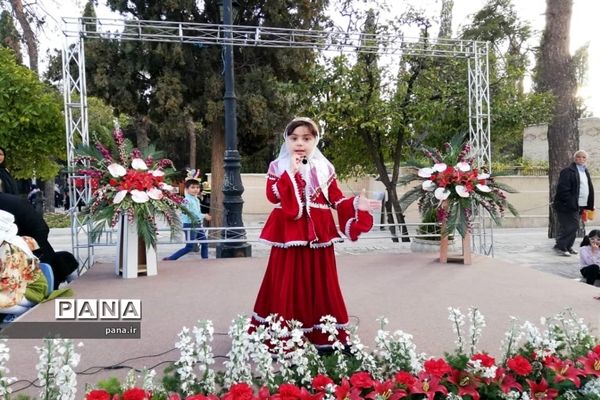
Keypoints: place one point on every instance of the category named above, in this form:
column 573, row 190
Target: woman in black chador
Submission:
column 7, row 183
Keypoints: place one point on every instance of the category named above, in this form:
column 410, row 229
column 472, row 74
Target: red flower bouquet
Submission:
column 129, row 183
column 454, row 187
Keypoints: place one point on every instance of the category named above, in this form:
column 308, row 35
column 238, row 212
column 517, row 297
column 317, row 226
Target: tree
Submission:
column 25, row 18
column 557, row 74
column 9, row 36
column 31, row 121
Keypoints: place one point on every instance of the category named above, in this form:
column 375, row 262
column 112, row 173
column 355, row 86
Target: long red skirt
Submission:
column 301, row 283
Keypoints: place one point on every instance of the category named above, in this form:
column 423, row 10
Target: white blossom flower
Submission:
column 139, row 196
column 463, row 166
column 439, row 167
column 166, row 186
column 482, row 175
column 462, row 191
column 428, row 185
column 139, row 164
column 483, row 188
column 120, row 196
column 441, row 193
column 155, row 194
column 117, row 170
column 157, row 172
column 425, row 172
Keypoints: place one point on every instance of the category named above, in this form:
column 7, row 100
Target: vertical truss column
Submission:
column 479, row 136
column 76, row 126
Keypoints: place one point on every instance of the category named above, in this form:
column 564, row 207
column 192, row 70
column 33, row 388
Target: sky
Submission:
column 583, row 26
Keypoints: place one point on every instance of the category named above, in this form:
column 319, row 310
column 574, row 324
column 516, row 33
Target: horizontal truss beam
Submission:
column 259, row 36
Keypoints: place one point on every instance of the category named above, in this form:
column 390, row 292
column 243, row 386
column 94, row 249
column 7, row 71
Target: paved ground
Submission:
column 524, row 246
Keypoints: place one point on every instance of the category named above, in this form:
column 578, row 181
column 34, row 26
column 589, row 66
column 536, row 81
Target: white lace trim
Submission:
column 318, row 205
column 297, row 194
column 351, row 220
column 275, row 190
column 335, row 205
column 296, row 243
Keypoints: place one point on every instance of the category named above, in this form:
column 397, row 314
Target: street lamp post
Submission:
column 232, row 184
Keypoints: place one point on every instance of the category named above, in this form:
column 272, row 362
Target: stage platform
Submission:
column 412, row 290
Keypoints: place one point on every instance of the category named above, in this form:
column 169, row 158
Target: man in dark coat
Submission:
column 574, row 193
column 31, row 223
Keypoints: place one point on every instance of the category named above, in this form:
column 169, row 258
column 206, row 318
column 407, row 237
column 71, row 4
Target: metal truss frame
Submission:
column 77, row 30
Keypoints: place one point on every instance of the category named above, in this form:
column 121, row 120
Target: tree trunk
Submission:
column 49, row 195
column 398, row 213
column 217, row 174
column 141, row 133
column 557, row 74
column 191, row 132
column 28, row 34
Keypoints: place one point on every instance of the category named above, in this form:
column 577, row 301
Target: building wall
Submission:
column 535, row 142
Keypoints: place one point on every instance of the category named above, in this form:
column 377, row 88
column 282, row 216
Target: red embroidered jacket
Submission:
column 298, row 222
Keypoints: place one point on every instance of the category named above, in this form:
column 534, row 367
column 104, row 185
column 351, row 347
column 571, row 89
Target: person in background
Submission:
column 205, row 197
column 30, row 223
column 589, row 256
column 7, row 183
column 192, row 226
column 574, row 194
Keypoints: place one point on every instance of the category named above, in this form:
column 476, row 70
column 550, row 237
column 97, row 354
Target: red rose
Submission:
column 519, row 365
column 98, row 394
column 405, row 378
column 320, row 381
column 136, row 394
column 486, row 360
column 239, row 391
column 174, row 396
column 361, row 380
column 437, row 367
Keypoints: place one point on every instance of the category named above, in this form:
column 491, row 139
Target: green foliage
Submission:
column 31, row 121
column 111, row 385
column 101, row 120
column 57, row 220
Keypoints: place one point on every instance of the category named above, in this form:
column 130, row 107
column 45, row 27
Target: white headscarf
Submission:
column 317, row 173
column 8, row 233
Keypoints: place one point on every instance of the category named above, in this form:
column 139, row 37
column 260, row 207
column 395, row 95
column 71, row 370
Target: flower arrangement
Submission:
column 127, row 182
column 559, row 361
column 454, row 187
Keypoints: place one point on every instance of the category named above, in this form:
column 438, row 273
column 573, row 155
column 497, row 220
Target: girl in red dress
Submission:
column 301, row 280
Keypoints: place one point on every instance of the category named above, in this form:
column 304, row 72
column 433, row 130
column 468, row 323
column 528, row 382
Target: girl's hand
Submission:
column 365, row 204
column 295, row 163
column 207, row 217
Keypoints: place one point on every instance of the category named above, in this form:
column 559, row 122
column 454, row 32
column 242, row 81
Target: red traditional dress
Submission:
column 301, row 280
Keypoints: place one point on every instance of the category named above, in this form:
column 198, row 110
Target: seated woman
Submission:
column 22, row 282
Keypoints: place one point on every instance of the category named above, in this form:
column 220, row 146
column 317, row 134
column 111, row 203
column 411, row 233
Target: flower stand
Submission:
column 133, row 257
column 465, row 258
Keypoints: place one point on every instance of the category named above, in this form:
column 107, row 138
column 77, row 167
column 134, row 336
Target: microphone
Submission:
column 304, row 160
